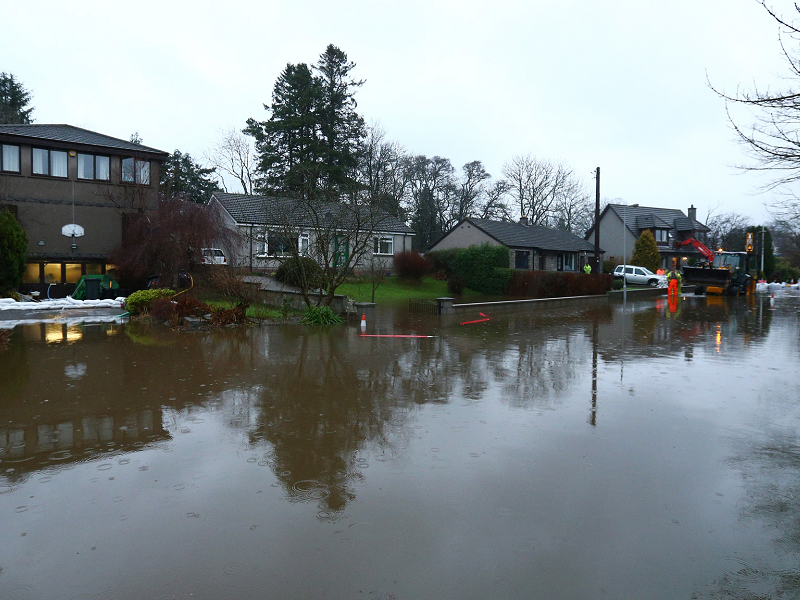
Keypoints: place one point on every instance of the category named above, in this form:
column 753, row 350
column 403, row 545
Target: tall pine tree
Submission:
column 288, row 143
column 342, row 128
column 14, row 99
column 309, row 146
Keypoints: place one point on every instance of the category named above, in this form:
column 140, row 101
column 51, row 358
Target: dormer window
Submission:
column 662, row 236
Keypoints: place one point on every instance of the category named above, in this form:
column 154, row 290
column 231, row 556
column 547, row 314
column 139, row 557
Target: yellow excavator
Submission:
column 722, row 272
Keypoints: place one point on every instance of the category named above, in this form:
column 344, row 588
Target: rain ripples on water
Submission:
column 595, row 450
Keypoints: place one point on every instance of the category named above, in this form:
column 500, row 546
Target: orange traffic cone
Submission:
column 363, row 322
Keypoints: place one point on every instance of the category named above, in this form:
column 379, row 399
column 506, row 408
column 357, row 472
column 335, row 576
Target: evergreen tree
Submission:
column 13, row 246
column 309, row 146
column 342, row 129
column 769, row 252
column 288, row 144
column 182, row 176
column 645, row 252
column 13, row 101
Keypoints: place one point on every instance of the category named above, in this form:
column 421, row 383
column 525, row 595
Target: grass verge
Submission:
column 393, row 289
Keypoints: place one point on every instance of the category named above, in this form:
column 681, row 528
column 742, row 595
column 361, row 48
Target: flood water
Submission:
column 589, row 451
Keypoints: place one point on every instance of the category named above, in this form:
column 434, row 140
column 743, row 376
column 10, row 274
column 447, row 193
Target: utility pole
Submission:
column 597, row 264
column 762, row 253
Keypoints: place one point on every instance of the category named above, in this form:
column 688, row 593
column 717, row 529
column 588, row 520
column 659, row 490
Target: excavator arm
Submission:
column 699, row 246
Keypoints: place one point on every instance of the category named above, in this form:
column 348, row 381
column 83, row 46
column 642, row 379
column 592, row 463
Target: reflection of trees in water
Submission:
column 770, row 470
column 14, row 370
column 318, row 411
column 323, row 398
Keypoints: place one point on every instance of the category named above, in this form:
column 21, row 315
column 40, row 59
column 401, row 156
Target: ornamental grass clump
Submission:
column 321, row 315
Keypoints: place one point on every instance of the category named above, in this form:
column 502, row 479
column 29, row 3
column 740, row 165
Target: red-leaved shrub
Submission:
column 411, row 266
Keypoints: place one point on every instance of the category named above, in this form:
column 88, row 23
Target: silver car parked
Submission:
column 639, row 276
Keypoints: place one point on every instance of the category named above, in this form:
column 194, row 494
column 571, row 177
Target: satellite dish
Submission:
column 72, row 230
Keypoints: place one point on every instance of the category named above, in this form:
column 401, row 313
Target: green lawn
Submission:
column 393, row 289
column 255, row 311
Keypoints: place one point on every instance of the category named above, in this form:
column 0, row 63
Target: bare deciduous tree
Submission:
column 234, row 155
column 773, row 137
column 727, row 231
column 338, row 236
column 382, row 171
column 494, row 204
column 537, row 186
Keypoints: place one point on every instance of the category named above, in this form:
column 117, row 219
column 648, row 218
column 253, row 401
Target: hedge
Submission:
column 557, row 284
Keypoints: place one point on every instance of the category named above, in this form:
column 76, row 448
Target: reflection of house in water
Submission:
column 53, row 442
column 645, row 329
column 66, row 402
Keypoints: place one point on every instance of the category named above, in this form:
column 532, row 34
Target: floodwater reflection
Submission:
column 636, row 450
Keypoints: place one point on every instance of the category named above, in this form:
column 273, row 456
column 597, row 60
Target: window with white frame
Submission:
column 135, row 171
column 49, row 162
column 275, row 243
column 568, row 262
column 9, row 158
column 383, row 244
column 278, row 244
column 261, row 246
column 303, row 243
column 93, row 167
column 662, row 236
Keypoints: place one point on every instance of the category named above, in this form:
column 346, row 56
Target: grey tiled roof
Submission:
column 673, row 218
column 265, row 210
column 74, row 135
column 516, row 235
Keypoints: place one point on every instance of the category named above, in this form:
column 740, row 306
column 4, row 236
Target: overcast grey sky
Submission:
column 616, row 84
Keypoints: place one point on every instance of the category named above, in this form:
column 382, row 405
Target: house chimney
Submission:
column 693, row 212
column 523, row 220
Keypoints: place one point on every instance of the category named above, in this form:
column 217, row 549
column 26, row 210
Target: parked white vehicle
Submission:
column 214, row 256
column 639, row 276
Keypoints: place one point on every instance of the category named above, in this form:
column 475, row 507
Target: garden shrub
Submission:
column 320, row 315
column 411, row 266
column 557, row 284
column 617, row 285
column 784, row 272
column 165, row 310
column 483, row 268
column 300, row 271
column 224, row 282
column 13, row 246
column 645, row 252
column 140, row 302
column 442, row 261
column 455, row 284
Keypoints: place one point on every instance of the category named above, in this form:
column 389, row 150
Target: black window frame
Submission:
column 522, row 260
column 136, row 170
column 94, row 167
column 50, row 163
column 3, row 146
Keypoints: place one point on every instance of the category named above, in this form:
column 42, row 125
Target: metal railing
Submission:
column 423, row 305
